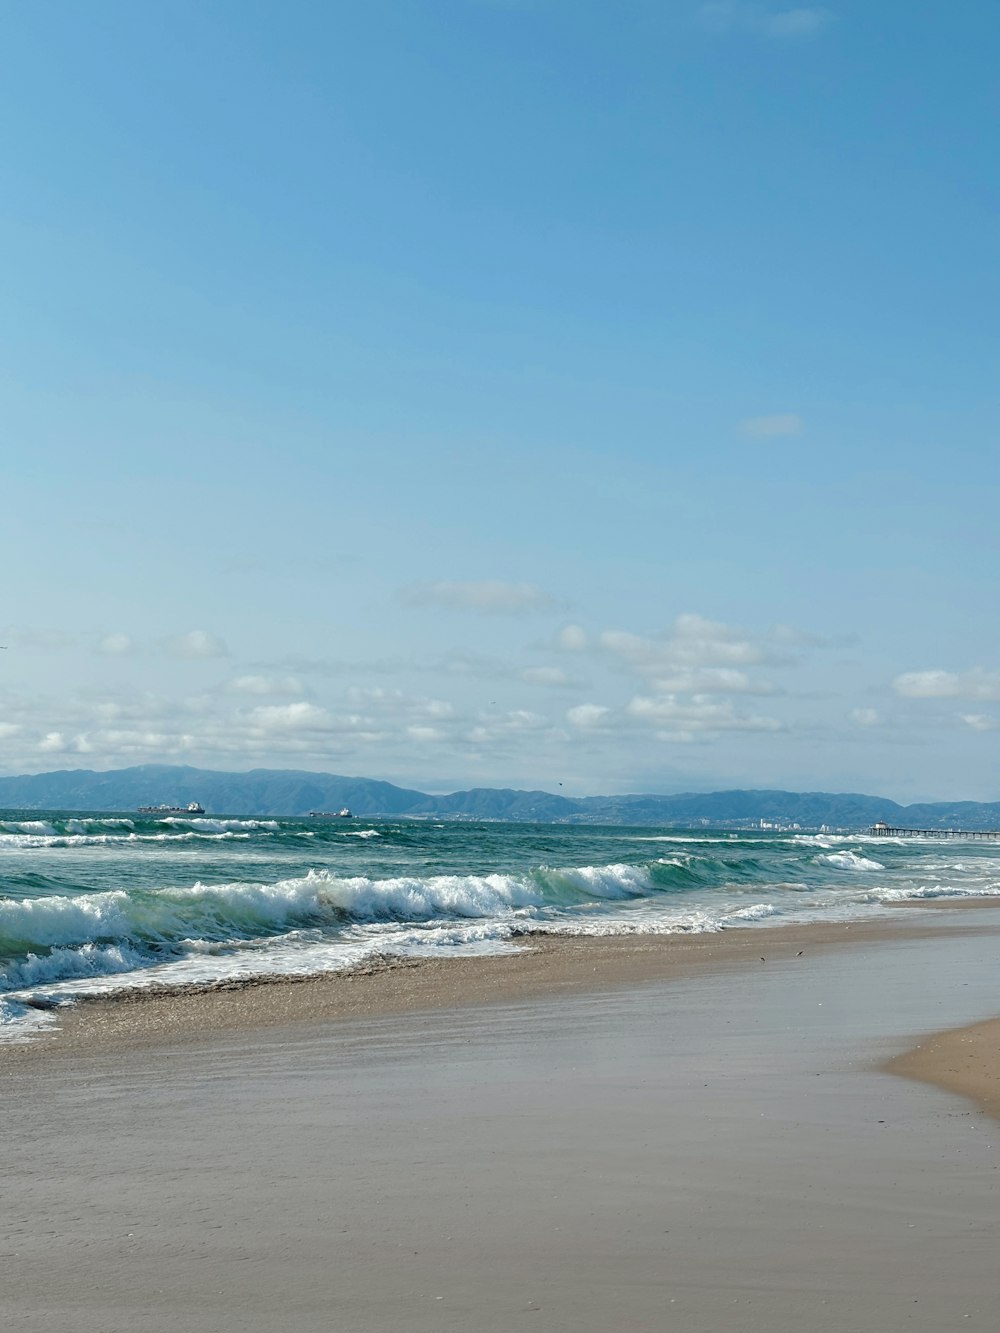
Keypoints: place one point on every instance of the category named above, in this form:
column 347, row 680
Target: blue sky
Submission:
column 529, row 391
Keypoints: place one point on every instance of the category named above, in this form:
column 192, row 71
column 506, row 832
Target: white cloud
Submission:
column 130, row 742
column 262, row 685
column 55, row 742
column 196, row 643
column 572, row 638
column 980, row 721
column 523, row 719
column 115, row 645
column 291, row 717
column 487, row 596
column 328, row 666
column 727, row 16
column 691, row 672
column 803, row 22
column 375, row 696
column 974, row 684
column 551, row 677
column 691, row 644
column 770, row 427
column 494, row 727
column 793, row 637
column 623, row 643
column 396, row 702
column 424, row 735
column 711, row 680
column 461, row 663
column 586, row 716
column 865, row 717
column 677, row 719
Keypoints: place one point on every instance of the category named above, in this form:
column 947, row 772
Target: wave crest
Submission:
column 849, row 861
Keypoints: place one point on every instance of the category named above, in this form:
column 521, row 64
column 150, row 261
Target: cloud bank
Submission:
column 974, row 684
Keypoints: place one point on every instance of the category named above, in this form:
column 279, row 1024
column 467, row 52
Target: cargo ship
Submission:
column 193, row 809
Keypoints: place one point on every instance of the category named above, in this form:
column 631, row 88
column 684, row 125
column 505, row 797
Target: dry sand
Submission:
column 690, row 1139
column 965, row 1060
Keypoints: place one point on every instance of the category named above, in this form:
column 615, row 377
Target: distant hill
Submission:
column 265, row 791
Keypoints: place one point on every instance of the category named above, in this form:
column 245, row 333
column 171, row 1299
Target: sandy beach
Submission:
column 638, row 1133
column 499, row 679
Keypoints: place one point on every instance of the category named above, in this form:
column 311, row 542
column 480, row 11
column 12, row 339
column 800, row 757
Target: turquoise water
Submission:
column 90, row 904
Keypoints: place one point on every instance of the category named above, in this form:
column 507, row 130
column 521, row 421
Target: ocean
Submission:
column 91, row 904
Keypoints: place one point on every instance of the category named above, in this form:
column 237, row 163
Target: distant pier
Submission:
column 881, row 830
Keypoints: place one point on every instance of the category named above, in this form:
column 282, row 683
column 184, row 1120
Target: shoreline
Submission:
column 964, row 1061
column 543, row 966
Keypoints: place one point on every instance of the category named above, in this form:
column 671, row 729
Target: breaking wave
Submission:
column 850, row 861
column 200, row 825
column 161, row 918
column 58, row 938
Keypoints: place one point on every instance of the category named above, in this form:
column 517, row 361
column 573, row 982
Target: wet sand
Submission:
column 704, row 1145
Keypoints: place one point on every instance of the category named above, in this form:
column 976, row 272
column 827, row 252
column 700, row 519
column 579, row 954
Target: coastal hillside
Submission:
column 289, row 792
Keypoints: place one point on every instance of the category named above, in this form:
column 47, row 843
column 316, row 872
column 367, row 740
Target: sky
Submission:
column 503, row 392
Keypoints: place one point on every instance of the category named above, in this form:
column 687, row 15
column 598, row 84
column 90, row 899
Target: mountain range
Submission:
column 288, row 792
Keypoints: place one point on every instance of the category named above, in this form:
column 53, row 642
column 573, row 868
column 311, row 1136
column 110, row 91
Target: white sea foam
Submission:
column 850, row 861
column 676, row 837
column 721, row 839
column 20, row 1023
column 85, row 825
column 756, row 912
column 90, row 960
column 928, row 891
column 806, row 838
column 677, row 920
column 45, row 922
column 223, row 825
column 32, row 840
